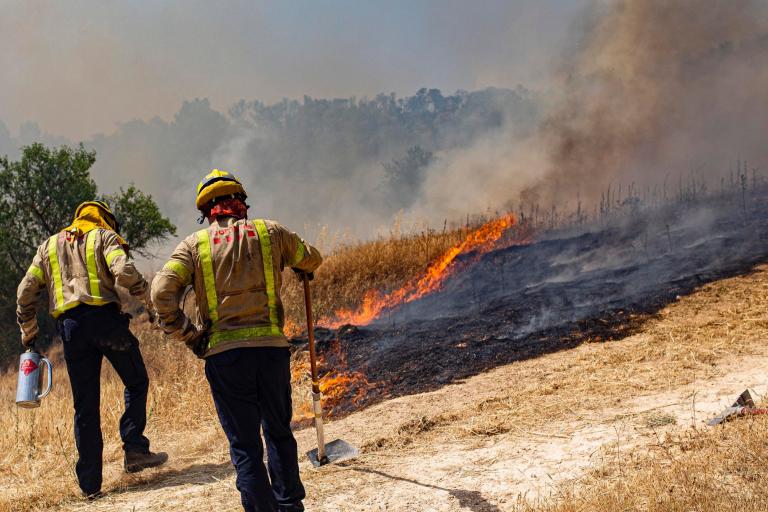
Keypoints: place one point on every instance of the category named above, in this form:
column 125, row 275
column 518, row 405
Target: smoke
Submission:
column 660, row 87
column 650, row 90
column 646, row 92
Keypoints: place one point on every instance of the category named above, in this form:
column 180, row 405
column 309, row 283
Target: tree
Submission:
column 404, row 177
column 38, row 196
column 141, row 222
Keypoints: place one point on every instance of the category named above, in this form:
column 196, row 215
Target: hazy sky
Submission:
column 79, row 67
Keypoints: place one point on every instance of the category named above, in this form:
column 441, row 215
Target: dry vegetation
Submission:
column 384, row 264
column 37, row 452
column 716, row 469
column 721, row 469
column 664, row 465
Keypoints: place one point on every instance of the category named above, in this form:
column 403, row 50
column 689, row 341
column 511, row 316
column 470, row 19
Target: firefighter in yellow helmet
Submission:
column 80, row 267
column 235, row 266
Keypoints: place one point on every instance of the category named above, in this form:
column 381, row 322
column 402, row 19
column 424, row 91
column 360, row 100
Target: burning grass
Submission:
column 37, row 452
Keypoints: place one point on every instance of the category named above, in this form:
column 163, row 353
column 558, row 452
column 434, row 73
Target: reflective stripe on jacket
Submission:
column 238, row 296
column 76, row 270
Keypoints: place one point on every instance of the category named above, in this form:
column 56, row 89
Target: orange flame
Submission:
column 482, row 240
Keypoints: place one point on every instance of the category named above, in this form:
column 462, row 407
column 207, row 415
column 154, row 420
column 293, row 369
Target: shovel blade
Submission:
column 335, row 451
column 727, row 414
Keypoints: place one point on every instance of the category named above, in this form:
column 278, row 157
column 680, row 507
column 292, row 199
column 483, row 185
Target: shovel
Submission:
column 743, row 406
column 338, row 449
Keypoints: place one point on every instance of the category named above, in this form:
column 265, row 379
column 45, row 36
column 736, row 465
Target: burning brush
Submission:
column 486, row 238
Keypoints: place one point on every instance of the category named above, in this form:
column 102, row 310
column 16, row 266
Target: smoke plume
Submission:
column 659, row 87
column 651, row 92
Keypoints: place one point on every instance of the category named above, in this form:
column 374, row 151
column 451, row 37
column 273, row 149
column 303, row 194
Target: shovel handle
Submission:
column 316, row 403
column 310, row 333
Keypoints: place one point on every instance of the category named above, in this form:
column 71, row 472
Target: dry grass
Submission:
column 37, row 452
column 383, row 264
column 684, row 342
column 719, row 469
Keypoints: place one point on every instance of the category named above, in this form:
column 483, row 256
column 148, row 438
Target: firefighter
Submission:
column 235, row 266
column 80, row 267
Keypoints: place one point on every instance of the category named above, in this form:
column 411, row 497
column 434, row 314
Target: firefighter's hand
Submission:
column 198, row 343
column 196, row 340
column 29, row 337
column 149, row 308
column 29, row 343
column 301, row 273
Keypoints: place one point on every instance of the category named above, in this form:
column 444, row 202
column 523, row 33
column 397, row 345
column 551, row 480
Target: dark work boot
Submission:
column 93, row 496
column 138, row 461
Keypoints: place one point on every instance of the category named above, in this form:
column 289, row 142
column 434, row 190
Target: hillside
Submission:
column 536, row 367
column 567, row 422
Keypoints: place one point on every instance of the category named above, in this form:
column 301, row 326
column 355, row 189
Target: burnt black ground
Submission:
column 525, row 301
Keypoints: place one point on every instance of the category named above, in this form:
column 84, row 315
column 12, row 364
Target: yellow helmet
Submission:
column 104, row 207
column 217, row 184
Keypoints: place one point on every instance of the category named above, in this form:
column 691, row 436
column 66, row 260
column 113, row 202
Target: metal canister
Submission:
column 30, row 380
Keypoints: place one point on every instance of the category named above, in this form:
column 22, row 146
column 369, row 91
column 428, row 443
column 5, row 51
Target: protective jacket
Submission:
column 238, row 295
column 77, row 268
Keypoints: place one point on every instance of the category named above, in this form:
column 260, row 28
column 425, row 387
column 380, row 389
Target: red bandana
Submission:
column 230, row 207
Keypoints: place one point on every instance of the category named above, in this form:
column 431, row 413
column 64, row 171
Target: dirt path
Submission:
column 434, row 451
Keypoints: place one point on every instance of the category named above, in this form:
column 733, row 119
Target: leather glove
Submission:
column 301, row 273
column 198, row 344
column 149, row 308
column 29, row 336
column 196, row 340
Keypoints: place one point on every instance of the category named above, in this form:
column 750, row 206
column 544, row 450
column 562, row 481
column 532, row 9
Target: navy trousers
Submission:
column 89, row 334
column 252, row 390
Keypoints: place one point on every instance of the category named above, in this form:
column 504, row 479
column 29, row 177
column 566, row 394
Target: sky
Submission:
column 78, row 68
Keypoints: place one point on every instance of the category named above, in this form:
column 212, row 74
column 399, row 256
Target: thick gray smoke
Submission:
column 650, row 92
column 660, row 87
column 351, row 165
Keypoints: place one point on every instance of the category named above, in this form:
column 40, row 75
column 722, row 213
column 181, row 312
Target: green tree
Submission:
column 38, row 196
column 141, row 222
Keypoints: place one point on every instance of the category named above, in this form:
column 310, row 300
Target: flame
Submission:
column 291, row 329
column 343, row 386
column 482, row 240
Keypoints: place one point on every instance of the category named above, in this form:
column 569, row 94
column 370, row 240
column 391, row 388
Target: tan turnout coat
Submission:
column 238, row 296
column 75, row 270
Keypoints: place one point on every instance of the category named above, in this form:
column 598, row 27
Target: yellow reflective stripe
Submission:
column 180, row 270
column 53, row 257
column 239, row 334
column 206, row 259
column 90, row 260
column 269, row 273
column 300, row 251
column 114, row 253
column 36, row 271
column 71, row 305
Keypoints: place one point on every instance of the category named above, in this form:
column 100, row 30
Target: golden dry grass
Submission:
column 37, row 452
column 685, row 341
column 709, row 336
column 350, row 270
column 720, row 469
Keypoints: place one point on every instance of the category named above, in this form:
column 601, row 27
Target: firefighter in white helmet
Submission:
column 235, row 266
column 80, row 266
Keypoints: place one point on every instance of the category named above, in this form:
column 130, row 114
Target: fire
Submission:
column 291, row 329
column 482, row 240
column 343, row 386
